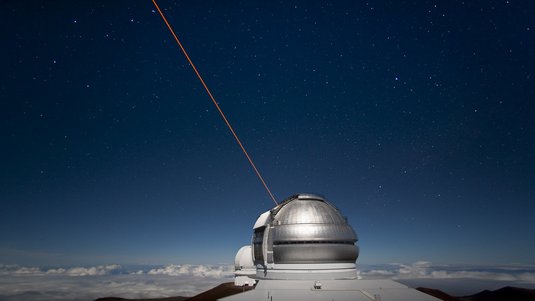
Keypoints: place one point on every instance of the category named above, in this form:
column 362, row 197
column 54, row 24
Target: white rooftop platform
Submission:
column 331, row 290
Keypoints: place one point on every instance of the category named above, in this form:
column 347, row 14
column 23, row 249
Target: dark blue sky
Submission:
column 415, row 118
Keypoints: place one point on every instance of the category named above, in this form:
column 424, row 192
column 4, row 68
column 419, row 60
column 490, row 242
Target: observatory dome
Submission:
column 244, row 259
column 244, row 267
column 302, row 236
column 304, row 249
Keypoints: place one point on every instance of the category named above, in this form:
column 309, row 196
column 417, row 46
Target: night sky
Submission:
column 415, row 118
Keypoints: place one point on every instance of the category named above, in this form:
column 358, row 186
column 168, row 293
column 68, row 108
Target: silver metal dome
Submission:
column 305, row 229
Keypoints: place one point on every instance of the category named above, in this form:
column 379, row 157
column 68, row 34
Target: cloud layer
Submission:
column 202, row 271
column 89, row 283
column 15, row 270
column 426, row 270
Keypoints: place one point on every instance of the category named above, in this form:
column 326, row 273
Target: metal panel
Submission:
column 307, row 230
column 308, row 211
column 258, row 239
column 314, row 253
column 313, row 232
column 262, row 220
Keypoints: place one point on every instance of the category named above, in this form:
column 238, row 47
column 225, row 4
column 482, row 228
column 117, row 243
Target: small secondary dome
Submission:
column 244, row 259
column 304, row 235
column 244, row 267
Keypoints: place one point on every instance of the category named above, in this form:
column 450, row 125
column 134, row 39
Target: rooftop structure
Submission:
column 304, row 249
column 244, row 267
column 302, row 237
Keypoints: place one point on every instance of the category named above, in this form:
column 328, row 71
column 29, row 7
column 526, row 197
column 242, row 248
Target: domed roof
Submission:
column 244, row 259
column 307, row 209
column 304, row 229
column 310, row 218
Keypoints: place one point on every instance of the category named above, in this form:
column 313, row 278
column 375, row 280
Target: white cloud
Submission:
column 377, row 273
column 527, row 277
column 171, row 270
column 63, row 287
column 214, row 272
column 81, row 271
column 15, row 270
column 426, row 270
column 89, row 283
column 201, row 271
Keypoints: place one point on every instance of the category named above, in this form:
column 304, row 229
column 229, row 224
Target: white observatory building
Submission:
column 304, row 249
column 244, row 267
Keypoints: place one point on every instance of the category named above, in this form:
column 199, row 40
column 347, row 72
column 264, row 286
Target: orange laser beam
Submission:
column 214, row 101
